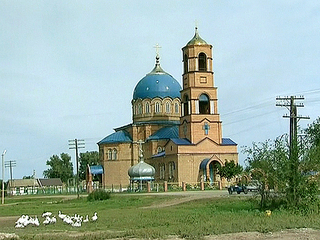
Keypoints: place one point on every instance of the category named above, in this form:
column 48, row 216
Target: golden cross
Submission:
column 157, row 47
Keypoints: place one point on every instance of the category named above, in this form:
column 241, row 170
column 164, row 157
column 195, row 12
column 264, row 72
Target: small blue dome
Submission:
column 157, row 83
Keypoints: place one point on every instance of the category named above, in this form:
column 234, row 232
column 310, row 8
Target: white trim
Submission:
column 212, row 107
column 196, row 102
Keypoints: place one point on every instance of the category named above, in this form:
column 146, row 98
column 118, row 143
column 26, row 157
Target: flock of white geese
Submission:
column 75, row 220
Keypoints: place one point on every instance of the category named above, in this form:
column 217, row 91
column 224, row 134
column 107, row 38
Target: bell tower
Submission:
column 199, row 100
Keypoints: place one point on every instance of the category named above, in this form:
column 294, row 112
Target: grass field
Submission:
column 123, row 216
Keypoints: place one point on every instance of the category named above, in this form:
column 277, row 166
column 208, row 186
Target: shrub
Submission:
column 98, row 195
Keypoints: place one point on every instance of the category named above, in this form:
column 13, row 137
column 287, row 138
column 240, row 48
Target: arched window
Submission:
column 109, row 154
column 176, row 108
column 147, row 107
column 202, row 62
column 185, row 63
column 204, row 104
column 114, row 154
column 157, row 107
column 168, row 107
column 162, row 170
column 159, row 149
column 186, row 105
column 172, row 167
column 135, row 110
column 139, row 108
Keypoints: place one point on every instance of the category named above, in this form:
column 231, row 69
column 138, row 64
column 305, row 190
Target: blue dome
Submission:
column 157, row 83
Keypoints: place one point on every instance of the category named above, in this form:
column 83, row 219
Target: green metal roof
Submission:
column 197, row 40
column 165, row 133
column 117, row 137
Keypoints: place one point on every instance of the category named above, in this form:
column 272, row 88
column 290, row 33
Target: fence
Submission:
column 133, row 187
column 163, row 187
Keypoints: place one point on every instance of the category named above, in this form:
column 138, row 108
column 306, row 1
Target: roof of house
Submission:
column 23, row 183
column 47, row 182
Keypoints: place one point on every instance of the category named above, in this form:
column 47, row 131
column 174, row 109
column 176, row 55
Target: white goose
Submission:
column 46, row 214
column 47, row 221
column 94, row 217
column 76, row 224
column 61, row 216
column 86, row 219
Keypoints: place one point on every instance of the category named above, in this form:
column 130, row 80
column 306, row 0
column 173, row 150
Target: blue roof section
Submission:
column 117, row 137
column 204, row 163
column 98, row 169
column 181, row 141
column 157, row 85
column 165, row 133
column 161, row 154
column 227, row 141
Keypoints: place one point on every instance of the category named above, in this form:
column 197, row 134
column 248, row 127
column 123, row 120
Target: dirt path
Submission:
column 183, row 197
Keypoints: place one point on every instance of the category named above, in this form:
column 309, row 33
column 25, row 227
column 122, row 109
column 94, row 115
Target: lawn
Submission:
column 123, row 216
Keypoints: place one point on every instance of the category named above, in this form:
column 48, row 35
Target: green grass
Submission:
column 123, row 216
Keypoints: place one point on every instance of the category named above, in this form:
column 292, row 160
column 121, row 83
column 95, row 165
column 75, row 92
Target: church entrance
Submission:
column 213, row 168
column 209, row 170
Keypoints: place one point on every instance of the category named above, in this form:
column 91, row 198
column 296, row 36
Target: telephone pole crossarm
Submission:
column 10, row 164
column 76, row 144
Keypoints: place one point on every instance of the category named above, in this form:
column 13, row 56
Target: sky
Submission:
column 68, row 68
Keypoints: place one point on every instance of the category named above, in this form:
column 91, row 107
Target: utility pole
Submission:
column 2, row 192
column 76, row 144
column 10, row 164
column 294, row 175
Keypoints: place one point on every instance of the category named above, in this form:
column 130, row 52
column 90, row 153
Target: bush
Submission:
column 98, row 195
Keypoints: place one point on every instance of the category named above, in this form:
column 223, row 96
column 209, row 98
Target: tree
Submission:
column 288, row 170
column 28, row 177
column 266, row 162
column 60, row 167
column 87, row 158
column 313, row 133
column 229, row 170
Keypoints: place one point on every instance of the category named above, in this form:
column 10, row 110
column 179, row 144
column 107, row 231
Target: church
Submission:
column 178, row 127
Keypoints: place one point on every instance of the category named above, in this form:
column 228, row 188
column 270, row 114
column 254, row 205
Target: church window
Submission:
column 157, row 107
column 172, row 167
column 162, row 170
column 185, row 63
column 202, row 62
column 109, row 154
column 167, row 107
column 114, row 154
column 135, row 109
column 159, row 150
column 204, row 104
column 186, row 105
column 139, row 109
column 176, row 108
column 147, row 107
